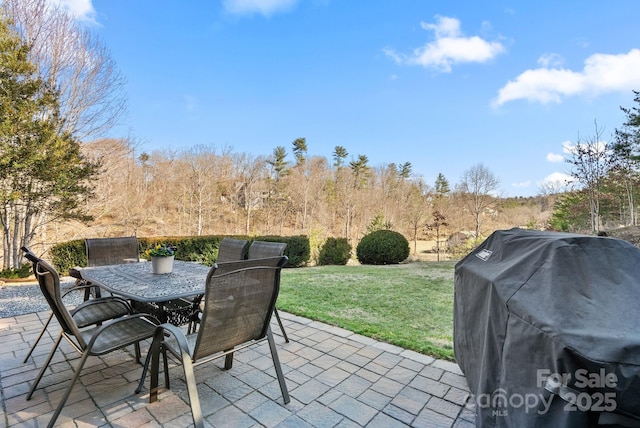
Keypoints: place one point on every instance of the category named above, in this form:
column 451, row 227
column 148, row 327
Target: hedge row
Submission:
column 203, row 249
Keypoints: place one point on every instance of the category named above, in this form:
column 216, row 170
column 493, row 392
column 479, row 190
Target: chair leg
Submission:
column 87, row 294
column 136, row 346
column 192, row 327
column 194, row 400
column 278, row 367
column 286, row 338
column 154, row 353
column 147, row 361
column 67, row 393
column 228, row 361
column 44, row 367
column 44, row 328
column 166, row 368
column 145, row 368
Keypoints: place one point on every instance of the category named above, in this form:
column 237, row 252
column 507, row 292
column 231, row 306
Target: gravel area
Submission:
column 18, row 298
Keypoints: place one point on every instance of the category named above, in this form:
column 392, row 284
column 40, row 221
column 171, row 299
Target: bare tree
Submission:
column 278, row 170
column 71, row 59
column 356, row 181
column 477, row 187
column 437, row 224
column 251, row 171
column 120, row 194
column 202, row 162
column 300, row 173
column 416, row 206
column 590, row 163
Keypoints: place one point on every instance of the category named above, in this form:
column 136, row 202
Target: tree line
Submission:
column 207, row 190
column 59, row 180
column 604, row 189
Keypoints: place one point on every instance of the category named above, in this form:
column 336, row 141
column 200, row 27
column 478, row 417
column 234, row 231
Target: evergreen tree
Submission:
column 43, row 175
column 300, row 150
column 339, row 155
column 442, row 185
column 626, row 154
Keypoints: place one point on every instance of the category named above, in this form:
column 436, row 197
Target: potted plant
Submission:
column 162, row 257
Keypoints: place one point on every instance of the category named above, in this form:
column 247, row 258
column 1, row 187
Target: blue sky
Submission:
column 443, row 85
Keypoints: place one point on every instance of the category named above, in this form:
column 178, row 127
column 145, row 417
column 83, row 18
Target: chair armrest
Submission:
column 140, row 327
column 92, row 312
column 101, row 300
column 184, row 353
column 82, row 287
column 75, row 273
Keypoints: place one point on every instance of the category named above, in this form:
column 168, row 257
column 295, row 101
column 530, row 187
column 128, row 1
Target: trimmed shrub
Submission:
column 203, row 249
column 335, row 251
column 24, row 271
column 68, row 254
column 382, row 247
column 298, row 248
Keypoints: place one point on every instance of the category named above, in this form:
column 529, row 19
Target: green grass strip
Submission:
column 408, row 305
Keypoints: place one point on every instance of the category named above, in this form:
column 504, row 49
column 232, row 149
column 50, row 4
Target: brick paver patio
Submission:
column 335, row 378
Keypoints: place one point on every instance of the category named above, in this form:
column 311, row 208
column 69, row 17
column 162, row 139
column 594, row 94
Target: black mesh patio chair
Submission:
column 99, row 252
column 92, row 341
column 229, row 249
column 110, row 307
column 262, row 249
column 239, row 300
column 112, row 251
column 107, row 251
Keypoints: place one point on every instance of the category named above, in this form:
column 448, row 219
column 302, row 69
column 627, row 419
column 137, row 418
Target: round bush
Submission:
column 382, row 247
column 335, row 251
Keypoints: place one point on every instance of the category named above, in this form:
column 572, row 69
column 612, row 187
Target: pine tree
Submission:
column 42, row 171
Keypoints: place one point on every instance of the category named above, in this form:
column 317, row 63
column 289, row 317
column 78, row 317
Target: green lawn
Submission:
column 409, row 305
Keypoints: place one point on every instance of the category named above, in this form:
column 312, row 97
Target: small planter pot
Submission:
column 162, row 265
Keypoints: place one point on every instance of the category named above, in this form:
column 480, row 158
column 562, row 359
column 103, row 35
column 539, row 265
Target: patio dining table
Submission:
column 159, row 294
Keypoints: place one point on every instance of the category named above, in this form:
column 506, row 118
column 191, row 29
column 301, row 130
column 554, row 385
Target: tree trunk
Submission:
column 6, row 237
column 16, row 238
column 632, row 210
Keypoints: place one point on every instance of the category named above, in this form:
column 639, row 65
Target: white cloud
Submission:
column 264, row 7
column 550, row 60
column 554, row 157
column 449, row 47
column 81, row 10
column 522, row 184
column 602, row 73
column 557, row 181
column 571, row 149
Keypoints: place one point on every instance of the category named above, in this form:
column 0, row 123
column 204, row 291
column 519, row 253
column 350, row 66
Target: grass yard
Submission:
column 409, row 305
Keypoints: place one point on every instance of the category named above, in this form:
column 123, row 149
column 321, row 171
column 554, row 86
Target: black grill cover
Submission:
column 530, row 305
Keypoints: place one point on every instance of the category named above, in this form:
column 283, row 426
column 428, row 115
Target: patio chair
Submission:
column 111, row 251
column 229, row 249
column 107, row 251
column 93, row 341
column 99, row 252
column 261, row 249
column 239, row 301
column 110, row 307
